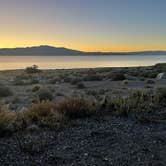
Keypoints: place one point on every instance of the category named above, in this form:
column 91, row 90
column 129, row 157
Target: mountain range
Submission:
column 45, row 50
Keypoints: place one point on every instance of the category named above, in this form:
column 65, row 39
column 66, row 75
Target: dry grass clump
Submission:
column 6, row 118
column 50, row 114
column 138, row 102
column 43, row 114
column 76, row 108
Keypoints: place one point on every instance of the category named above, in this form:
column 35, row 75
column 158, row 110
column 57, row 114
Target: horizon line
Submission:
column 45, row 45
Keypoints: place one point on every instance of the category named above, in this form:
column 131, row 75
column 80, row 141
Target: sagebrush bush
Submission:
column 150, row 81
column 80, row 85
column 45, row 94
column 160, row 94
column 36, row 88
column 92, row 77
column 32, row 69
column 117, row 76
column 5, row 91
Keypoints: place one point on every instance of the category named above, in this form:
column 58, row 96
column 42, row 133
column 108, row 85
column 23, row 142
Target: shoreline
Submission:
column 87, row 68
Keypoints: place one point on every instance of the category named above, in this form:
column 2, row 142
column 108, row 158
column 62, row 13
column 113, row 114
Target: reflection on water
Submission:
column 67, row 62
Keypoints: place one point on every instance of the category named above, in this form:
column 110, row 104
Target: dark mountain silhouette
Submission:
column 57, row 51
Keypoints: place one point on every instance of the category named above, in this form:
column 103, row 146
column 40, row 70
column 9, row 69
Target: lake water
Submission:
column 68, row 62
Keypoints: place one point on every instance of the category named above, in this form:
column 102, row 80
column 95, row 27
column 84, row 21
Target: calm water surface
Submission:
column 67, row 62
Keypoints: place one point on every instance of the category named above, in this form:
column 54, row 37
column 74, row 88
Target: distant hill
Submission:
column 57, row 51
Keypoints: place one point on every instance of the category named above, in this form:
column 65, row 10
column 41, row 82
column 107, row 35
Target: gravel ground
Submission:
column 92, row 142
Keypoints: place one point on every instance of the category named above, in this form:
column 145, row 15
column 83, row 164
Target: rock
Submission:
column 161, row 76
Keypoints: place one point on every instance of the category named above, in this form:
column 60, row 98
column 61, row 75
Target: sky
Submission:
column 88, row 25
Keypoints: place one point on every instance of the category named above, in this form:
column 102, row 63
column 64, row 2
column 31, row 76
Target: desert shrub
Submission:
column 142, row 79
column 138, row 102
column 92, row 92
column 36, row 88
column 150, row 81
column 6, row 118
column 125, row 82
column 32, row 69
column 160, row 65
column 54, row 80
column 45, row 94
column 25, row 80
column 43, row 114
column 75, row 80
column 92, row 77
column 15, row 100
column 76, row 108
column 160, row 94
column 18, row 82
column 5, row 91
column 148, row 86
column 102, row 91
column 117, row 76
column 80, row 85
column 152, row 74
column 147, row 73
column 34, row 81
column 118, row 106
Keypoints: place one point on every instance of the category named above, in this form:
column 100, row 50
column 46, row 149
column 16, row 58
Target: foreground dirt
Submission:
column 111, row 141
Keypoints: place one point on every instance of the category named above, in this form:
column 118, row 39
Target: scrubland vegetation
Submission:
column 42, row 112
column 143, row 106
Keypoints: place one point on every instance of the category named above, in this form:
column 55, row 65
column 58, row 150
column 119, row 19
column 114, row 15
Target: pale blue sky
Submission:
column 93, row 25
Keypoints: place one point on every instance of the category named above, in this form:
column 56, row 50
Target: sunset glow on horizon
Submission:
column 107, row 25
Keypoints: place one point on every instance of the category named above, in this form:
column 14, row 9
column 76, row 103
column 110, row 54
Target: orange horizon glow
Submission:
column 91, row 26
column 85, row 48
